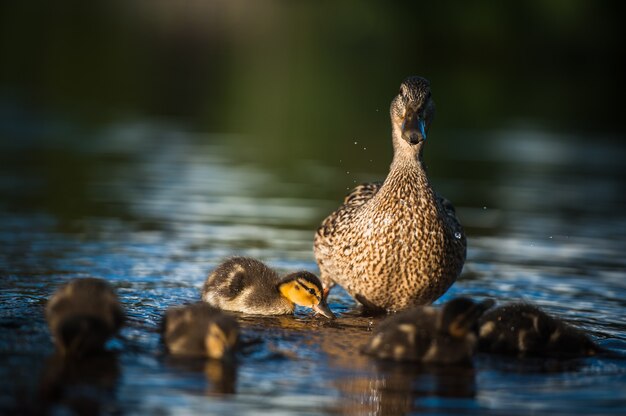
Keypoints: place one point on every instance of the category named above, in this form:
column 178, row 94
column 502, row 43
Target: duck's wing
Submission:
column 449, row 212
column 355, row 199
column 329, row 232
column 362, row 193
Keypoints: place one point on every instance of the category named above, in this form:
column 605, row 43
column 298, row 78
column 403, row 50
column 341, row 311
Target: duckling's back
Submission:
column 406, row 336
column 524, row 329
column 247, row 285
column 185, row 330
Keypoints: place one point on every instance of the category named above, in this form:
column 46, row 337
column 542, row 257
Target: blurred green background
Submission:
column 300, row 72
column 288, row 82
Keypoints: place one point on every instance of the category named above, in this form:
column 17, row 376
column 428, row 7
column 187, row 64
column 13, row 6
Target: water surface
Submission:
column 152, row 208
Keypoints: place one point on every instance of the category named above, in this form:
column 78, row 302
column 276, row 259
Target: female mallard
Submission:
column 247, row 285
column 395, row 244
column 199, row 330
column 524, row 329
column 82, row 315
column 426, row 334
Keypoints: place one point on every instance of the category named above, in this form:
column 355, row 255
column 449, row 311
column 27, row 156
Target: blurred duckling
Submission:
column 243, row 284
column 524, row 329
column 199, row 330
column 425, row 334
column 82, row 315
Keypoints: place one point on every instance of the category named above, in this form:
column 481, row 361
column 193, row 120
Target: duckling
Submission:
column 395, row 244
column 247, row 285
column 524, row 329
column 82, row 315
column 425, row 334
column 199, row 330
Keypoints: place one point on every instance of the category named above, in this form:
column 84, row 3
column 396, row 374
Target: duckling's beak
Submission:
column 323, row 309
column 414, row 128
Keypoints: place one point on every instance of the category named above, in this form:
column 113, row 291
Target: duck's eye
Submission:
column 311, row 291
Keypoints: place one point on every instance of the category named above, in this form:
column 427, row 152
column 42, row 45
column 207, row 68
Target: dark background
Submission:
column 303, row 75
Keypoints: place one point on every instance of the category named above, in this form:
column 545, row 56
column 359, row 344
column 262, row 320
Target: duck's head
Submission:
column 222, row 337
column 305, row 289
column 460, row 316
column 412, row 111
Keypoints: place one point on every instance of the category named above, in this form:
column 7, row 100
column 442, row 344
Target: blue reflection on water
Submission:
column 154, row 216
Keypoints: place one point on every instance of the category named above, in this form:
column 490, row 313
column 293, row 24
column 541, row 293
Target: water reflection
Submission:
column 154, row 217
column 221, row 376
column 82, row 386
column 399, row 389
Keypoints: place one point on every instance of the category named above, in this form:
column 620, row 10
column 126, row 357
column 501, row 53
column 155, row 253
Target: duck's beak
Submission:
column 414, row 128
column 323, row 309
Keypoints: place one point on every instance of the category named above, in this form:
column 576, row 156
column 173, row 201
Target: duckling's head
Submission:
column 460, row 316
column 305, row 289
column 82, row 315
column 412, row 111
column 222, row 337
column 80, row 335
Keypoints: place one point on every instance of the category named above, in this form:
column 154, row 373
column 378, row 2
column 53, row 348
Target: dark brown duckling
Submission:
column 82, row 315
column 199, row 330
column 244, row 284
column 446, row 335
column 524, row 329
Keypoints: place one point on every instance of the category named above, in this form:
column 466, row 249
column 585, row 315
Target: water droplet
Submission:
column 458, row 235
column 348, row 172
column 365, row 148
column 550, row 237
column 484, row 207
column 356, row 142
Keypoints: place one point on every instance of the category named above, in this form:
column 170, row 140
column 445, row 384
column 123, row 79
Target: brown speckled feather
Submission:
column 395, row 244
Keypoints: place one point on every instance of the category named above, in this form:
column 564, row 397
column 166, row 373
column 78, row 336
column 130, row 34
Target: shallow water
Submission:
column 152, row 209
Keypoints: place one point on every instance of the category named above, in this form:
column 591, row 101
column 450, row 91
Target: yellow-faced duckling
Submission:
column 395, row 244
column 426, row 334
column 82, row 315
column 199, row 330
column 525, row 330
column 247, row 285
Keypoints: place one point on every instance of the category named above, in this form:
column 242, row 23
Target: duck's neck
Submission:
column 407, row 169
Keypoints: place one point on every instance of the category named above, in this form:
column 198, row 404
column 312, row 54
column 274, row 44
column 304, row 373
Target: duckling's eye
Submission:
column 311, row 291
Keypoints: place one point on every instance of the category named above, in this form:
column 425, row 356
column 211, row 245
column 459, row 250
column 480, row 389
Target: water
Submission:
column 152, row 208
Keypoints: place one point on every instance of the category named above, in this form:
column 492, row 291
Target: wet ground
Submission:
column 153, row 208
